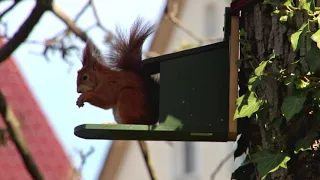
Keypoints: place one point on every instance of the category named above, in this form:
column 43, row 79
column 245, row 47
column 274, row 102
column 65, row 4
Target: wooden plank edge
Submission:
column 233, row 77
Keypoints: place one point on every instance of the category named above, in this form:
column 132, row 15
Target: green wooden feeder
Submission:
column 194, row 99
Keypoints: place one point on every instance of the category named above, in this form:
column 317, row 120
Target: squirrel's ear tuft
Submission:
column 91, row 54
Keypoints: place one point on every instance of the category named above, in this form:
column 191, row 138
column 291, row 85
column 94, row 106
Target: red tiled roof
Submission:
column 42, row 142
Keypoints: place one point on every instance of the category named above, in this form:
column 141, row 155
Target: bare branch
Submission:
column 13, row 127
column 3, row 136
column 83, row 9
column 77, row 17
column 69, row 22
column 83, row 157
column 145, row 153
column 16, row 2
column 23, row 32
column 95, row 13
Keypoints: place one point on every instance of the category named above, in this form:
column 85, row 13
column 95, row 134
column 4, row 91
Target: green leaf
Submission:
column 289, row 79
column 307, row 5
column 295, row 37
column 247, row 104
column 267, row 2
column 313, row 58
column 301, row 84
column 292, row 105
column 253, row 82
column 246, row 169
column 305, row 143
column 287, row 3
column 278, row 2
column 269, row 162
column 239, row 63
column 316, row 95
column 242, row 32
column 316, row 36
column 277, row 11
column 259, row 70
column 318, row 116
column 275, row 123
column 284, row 18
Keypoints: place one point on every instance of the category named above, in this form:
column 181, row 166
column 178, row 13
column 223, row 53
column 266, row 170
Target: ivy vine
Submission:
column 300, row 104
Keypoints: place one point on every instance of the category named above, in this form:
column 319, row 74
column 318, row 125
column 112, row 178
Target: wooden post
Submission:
column 233, row 81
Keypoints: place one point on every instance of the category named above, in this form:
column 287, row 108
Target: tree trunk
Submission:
column 265, row 34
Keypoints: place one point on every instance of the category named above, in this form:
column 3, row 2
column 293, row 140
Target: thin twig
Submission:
column 84, row 157
column 223, row 161
column 69, row 22
column 16, row 135
column 83, row 9
column 95, row 13
column 145, row 153
column 21, row 35
column 16, row 2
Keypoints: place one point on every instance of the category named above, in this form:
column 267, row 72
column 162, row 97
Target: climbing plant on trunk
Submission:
column 279, row 84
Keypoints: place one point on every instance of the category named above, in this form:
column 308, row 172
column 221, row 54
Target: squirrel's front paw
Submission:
column 80, row 101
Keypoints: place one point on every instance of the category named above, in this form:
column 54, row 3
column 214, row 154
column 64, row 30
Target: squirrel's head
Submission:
column 91, row 66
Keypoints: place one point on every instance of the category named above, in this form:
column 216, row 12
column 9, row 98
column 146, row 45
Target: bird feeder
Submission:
column 198, row 88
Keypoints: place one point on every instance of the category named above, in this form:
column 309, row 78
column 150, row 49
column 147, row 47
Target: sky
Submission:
column 54, row 83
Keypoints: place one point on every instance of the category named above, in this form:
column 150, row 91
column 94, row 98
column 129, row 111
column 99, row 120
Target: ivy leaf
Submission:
column 289, row 79
column 246, row 170
column 239, row 63
column 307, row 5
column 269, row 162
column 316, row 95
column 292, row 105
column 301, row 84
column 259, row 70
column 318, row 116
column 277, row 11
column 242, row 32
column 275, row 123
column 284, row 18
column 278, row 2
column 287, row 3
column 253, row 82
column 247, row 104
column 316, row 36
column 295, row 37
column 313, row 58
column 305, row 143
column 242, row 145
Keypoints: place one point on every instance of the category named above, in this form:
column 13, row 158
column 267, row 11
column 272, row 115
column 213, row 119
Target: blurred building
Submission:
column 178, row 160
column 41, row 140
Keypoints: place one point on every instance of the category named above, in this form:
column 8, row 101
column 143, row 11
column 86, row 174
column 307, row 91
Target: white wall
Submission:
column 133, row 165
column 166, row 161
column 195, row 17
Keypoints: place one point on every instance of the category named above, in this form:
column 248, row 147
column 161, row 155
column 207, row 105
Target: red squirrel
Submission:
column 118, row 80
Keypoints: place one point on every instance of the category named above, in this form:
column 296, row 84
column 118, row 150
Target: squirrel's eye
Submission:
column 85, row 77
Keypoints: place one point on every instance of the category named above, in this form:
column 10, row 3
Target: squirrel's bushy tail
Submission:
column 126, row 52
